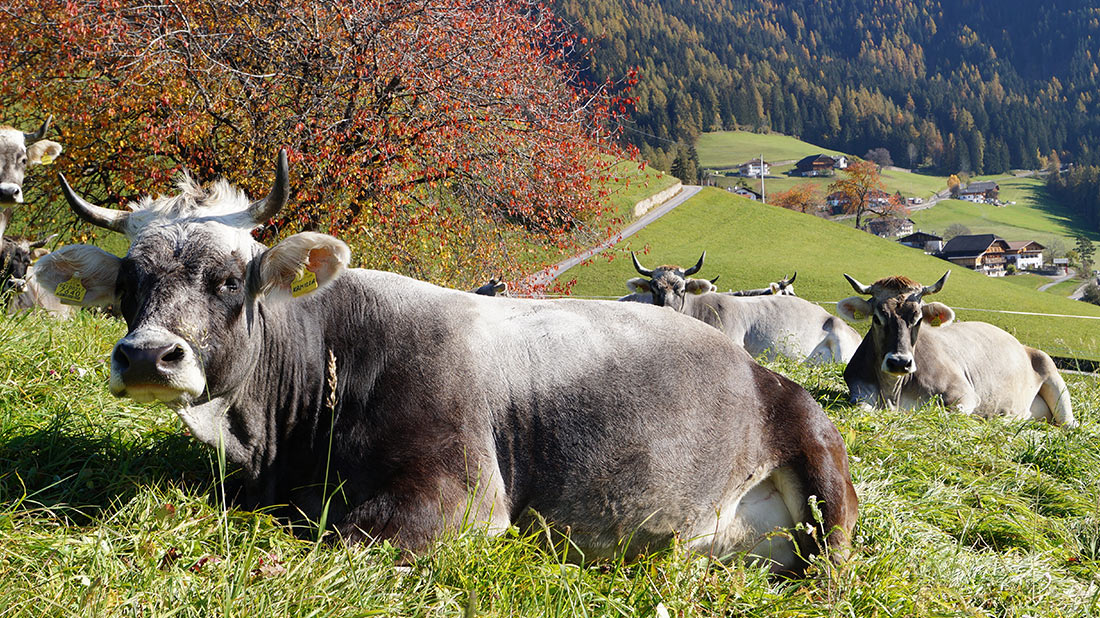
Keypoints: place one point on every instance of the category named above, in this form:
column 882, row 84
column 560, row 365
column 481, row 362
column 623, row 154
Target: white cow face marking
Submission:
column 16, row 156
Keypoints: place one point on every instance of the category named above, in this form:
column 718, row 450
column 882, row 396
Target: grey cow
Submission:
column 765, row 325
column 448, row 404
column 974, row 367
column 18, row 150
column 18, row 286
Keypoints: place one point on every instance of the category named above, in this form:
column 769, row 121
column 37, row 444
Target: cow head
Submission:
column 669, row 284
column 495, row 287
column 18, row 151
column 16, row 255
column 191, row 285
column 784, row 287
column 897, row 310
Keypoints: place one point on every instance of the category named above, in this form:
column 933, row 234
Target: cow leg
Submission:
column 1052, row 392
column 864, row 394
column 824, row 475
column 414, row 514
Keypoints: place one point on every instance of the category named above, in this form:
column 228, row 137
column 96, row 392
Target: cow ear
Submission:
column 80, row 275
column 854, row 309
column 937, row 314
column 299, row 265
column 699, row 286
column 774, row 287
column 638, row 285
column 43, row 152
column 39, row 253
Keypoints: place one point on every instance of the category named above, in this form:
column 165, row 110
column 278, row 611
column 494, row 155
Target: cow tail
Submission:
column 1053, row 390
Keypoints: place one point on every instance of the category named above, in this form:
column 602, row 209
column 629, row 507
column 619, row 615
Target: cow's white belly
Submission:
column 752, row 521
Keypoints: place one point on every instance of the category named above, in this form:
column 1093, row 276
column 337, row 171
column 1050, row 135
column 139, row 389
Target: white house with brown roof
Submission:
column 754, row 168
column 1025, row 254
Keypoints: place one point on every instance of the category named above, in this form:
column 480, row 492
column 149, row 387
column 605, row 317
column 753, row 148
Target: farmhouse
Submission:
column 745, row 192
column 986, row 190
column 754, row 168
column 1025, row 254
column 923, row 240
column 820, row 165
column 984, row 253
column 890, row 226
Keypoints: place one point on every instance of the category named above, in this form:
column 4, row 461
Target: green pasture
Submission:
column 108, row 508
column 1034, row 216
column 750, row 244
column 725, row 149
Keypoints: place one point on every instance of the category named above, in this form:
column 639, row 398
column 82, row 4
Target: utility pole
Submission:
column 763, row 196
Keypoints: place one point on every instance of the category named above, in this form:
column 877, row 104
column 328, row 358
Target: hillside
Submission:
column 970, row 86
column 750, row 244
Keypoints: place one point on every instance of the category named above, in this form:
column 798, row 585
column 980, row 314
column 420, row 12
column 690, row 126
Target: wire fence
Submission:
column 1065, row 357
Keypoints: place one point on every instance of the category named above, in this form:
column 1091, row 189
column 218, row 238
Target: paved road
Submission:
column 540, row 280
column 1056, row 281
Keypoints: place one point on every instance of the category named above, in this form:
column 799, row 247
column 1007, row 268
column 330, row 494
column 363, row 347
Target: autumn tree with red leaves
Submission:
column 863, row 192
column 803, row 197
column 430, row 135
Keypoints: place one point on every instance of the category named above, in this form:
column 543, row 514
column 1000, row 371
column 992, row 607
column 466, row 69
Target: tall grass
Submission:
column 108, row 508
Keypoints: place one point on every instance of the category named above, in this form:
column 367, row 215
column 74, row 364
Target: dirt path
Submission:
column 541, row 279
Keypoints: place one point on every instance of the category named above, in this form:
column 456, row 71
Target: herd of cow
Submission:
column 623, row 423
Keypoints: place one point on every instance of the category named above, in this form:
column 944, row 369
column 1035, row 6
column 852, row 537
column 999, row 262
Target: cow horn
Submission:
column 42, row 242
column 937, row 286
column 859, row 287
column 96, row 215
column 715, row 280
column 694, row 269
column 5, row 217
column 34, row 137
column 638, row 266
column 793, row 277
column 264, row 209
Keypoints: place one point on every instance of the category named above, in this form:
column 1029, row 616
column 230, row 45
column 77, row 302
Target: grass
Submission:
column 726, row 150
column 750, row 244
column 107, row 508
column 1034, row 216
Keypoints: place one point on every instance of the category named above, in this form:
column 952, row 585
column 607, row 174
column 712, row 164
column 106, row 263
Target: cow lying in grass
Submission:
column 425, row 407
column 974, row 367
column 767, row 326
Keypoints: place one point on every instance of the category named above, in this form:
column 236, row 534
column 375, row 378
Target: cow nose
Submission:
column 898, row 363
column 9, row 193
column 147, row 365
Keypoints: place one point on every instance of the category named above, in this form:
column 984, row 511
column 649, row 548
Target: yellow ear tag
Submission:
column 858, row 315
column 936, row 321
column 304, row 283
column 70, row 292
column 45, row 160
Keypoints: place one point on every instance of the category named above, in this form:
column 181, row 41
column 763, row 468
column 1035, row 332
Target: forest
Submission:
column 949, row 86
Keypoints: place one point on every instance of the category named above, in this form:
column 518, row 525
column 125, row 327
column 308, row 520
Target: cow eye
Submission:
column 231, row 285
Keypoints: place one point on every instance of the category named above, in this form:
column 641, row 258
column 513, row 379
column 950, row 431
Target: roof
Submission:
column 817, row 158
column 970, row 245
column 919, row 237
column 755, row 161
column 980, row 187
column 1017, row 245
column 740, row 189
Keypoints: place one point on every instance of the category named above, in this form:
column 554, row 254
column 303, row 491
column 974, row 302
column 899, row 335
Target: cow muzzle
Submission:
column 155, row 365
column 11, row 193
column 898, row 364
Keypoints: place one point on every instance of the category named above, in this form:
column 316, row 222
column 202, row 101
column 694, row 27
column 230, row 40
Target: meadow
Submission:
column 750, row 244
column 109, row 508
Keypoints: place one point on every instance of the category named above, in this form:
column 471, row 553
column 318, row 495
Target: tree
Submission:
column 953, row 184
column 803, row 197
column 880, row 156
column 417, row 131
column 1085, row 251
column 1091, row 294
column 862, row 186
column 955, row 229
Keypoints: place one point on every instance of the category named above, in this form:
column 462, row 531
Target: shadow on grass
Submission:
column 1043, row 201
column 80, row 473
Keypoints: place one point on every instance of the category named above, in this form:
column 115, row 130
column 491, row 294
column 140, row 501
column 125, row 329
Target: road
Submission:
column 540, row 280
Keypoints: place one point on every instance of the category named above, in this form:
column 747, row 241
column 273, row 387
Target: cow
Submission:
column 19, row 150
column 494, row 287
column 973, row 367
column 767, row 326
column 16, row 256
column 429, row 408
column 783, row 287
